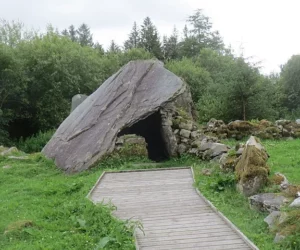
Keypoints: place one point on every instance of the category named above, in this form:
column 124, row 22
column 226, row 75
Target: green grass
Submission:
column 62, row 218
column 58, row 215
column 219, row 188
column 284, row 156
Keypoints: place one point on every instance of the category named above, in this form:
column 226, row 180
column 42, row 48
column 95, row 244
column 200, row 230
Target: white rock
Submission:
column 295, row 203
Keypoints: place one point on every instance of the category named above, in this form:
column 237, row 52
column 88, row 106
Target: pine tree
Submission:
column 85, row 38
column 99, row 48
column 150, row 38
column 73, row 34
column 170, row 46
column 134, row 38
column 113, row 47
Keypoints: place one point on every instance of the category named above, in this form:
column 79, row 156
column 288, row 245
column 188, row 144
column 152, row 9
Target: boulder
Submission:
column 267, row 202
column 216, row 149
column 139, row 91
column 252, row 170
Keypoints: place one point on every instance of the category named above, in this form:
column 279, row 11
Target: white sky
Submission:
column 267, row 30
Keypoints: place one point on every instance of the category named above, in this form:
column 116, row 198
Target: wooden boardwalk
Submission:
column 173, row 213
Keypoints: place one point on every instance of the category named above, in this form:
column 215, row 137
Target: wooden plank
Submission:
column 172, row 212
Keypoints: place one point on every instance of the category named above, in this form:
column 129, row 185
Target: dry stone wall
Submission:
column 263, row 129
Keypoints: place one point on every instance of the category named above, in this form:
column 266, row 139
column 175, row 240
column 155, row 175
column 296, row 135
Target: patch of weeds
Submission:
column 35, row 143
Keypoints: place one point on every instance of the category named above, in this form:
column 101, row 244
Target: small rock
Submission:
column 9, row 151
column 182, row 148
column 267, row 202
column 184, row 140
column 206, row 171
column 176, row 131
column 185, row 133
column 279, row 237
column 239, row 151
column 193, row 151
column 2, row 148
column 205, row 145
column 295, row 203
column 188, row 125
column 283, row 180
column 195, row 134
column 283, row 217
column 18, row 157
column 6, row 167
column 272, row 218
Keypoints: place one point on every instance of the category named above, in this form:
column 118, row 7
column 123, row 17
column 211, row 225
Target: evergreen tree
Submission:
column 150, row 38
column 290, row 81
column 99, row 48
column 170, row 46
column 73, row 34
column 133, row 41
column 113, row 47
column 85, row 38
column 199, row 36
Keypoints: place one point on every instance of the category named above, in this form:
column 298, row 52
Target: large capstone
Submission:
column 139, row 99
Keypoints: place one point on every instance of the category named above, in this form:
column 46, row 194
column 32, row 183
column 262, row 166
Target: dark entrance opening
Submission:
column 150, row 129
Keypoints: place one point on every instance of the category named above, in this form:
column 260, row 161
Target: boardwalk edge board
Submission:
column 223, row 217
column 220, row 214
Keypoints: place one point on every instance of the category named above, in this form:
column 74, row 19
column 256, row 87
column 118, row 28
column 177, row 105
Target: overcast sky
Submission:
column 265, row 30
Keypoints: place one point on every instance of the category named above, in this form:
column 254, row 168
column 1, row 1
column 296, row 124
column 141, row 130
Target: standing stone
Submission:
column 252, row 170
column 77, row 100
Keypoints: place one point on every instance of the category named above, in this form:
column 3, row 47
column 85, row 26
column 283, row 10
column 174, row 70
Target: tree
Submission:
column 11, row 33
column 199, row 36
column 150, row 38
column 113, row 47
column 12, row 90
column 196, row 77
column 99, row 48
column 290, row 81
column 56, row 69
column 170, row 46
column 85, row 38
column 133, row 41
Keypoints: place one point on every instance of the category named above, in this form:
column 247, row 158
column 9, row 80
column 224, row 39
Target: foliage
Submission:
column 290, row 76
column 35, row 143
column 134, row 40
column 197, row 77
column 39, row 73
column 150, row 39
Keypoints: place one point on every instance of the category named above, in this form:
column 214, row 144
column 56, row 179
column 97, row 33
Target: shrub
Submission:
column 35, row 143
